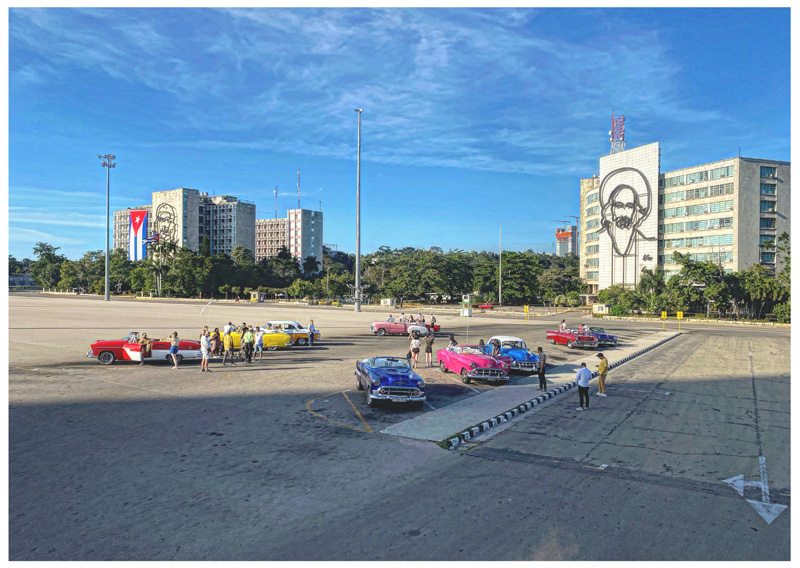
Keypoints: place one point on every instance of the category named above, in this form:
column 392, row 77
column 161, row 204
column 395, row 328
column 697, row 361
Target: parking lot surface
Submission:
column 131, row 462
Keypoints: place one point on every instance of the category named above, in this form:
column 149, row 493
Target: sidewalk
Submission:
column 464, row 419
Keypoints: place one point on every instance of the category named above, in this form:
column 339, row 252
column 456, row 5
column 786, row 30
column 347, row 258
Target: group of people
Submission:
column 583, row 328
column 147, row 347
column 417, row 344
column 584, row 375
column 403, row 318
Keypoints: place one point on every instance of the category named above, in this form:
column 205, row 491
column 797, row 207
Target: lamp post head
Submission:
column 359, row 110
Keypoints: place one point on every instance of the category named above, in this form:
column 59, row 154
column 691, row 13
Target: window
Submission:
column 593, row 249
column 592, row 197
column 767, row 171
column 593, row 223
column 768, row 188
column 724, row 171
column 768, row 206
column 766, row 240
column 593, row 275
column 593, row 262
column 673, row 181
column 592, row 210
column 768, row 257
column 697, row 176
column 592, row 236
column 767, row 223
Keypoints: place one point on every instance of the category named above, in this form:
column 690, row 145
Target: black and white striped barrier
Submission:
column 470, row 433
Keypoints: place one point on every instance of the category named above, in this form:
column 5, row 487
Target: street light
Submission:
column 108, row 164
column 358, row 218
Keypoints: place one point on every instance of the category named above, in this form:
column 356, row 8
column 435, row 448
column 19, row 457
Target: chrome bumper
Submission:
column 376, row 395
column 585, row 344
column 481, row 375
column 524, row 366
column 90, row 354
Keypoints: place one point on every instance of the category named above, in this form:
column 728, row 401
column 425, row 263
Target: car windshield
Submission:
column 597, row 329
column 390, row 363
column 514, row 345
column 132, row 337
column 472, row 349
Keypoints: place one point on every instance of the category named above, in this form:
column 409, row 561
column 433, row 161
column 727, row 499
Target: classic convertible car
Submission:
column 603, row 339
column 522, row 359
column 399, row 328
column 571, row 338
column 107, row 351
column 390, row 379
column 297, row 333
column 472, row 364
column 271, row 339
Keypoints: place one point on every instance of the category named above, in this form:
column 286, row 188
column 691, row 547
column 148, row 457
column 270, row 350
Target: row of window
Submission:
column 768, row 223
column 707, row 241
column 768, row 171
column 700, row 209
column 768, row 206
column 592, row 210
column 700, row 225
column 593, row 249
column 768, row 257
column 592, row 275
column 716, row 173
column 701, row 257
column 592, row 236
column 697, row 193
column 593, row 223
column 593, row 262
column 592, row 197
column 766, row 240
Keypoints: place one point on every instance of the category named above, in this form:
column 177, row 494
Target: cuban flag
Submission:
column 137, row 233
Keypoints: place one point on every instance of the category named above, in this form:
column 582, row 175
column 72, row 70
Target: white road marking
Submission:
column 768, row 511
column 461, row 383
column 430, row 405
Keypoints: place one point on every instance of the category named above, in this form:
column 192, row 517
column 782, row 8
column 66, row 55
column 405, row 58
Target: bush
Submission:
column 618, row 310
column 783, row 312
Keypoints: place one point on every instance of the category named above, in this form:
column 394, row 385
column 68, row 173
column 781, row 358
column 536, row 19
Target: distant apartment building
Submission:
column 271, row 235
column 122, row 219
column 304, row 234
column 185, row 216
column 567, row 240
column 633, row 216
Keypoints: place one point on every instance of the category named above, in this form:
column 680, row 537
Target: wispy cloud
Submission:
column 18, row 234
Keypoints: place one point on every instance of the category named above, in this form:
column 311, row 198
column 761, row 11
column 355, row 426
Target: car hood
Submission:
column 520, row 354
column 108, row 343
column 602, row 335
column 484, row 361
column 396, row 377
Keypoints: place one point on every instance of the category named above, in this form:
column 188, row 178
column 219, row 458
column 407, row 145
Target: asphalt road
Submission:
column 284, row 461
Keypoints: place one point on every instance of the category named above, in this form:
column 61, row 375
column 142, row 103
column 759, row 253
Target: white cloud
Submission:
column 17, row 234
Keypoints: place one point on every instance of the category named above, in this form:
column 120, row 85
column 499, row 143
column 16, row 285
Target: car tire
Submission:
column 570, row 345
column 464, row 378
column 302, row 341
column 370, row 401
column 442, row 368
column 179, row 357
column 271, row 347
column 381, row 332
column 106, row 358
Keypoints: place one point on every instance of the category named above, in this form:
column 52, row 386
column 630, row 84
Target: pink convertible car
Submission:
column 471, row 363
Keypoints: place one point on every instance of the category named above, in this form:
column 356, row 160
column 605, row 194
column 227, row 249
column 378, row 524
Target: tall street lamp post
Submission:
column 108, row 164
column 358, row 218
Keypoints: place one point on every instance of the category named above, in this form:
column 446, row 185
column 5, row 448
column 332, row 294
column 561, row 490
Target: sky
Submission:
column 474, row 119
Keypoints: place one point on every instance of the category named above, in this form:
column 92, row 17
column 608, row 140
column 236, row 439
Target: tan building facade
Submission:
column 728, row 212
column 304, row 234
column 271, row 235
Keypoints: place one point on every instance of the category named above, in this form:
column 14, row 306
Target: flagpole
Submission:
column 108, row 164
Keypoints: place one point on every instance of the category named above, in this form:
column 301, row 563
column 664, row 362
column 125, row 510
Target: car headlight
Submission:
column 421, row 384
column 376, row 380
column 472, row 366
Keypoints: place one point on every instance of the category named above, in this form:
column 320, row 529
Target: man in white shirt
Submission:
column 227, row 328
column 583, row 376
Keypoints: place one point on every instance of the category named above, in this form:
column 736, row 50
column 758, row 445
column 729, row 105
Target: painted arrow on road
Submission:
column 768, row 511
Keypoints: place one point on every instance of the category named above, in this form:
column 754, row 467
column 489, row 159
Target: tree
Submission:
column 205, row 248
column 310, row 266
column 46, row 270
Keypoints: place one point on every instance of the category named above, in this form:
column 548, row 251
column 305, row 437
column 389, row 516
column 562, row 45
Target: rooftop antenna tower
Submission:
column 617, row 133
column 276, row 201
column 298, row 189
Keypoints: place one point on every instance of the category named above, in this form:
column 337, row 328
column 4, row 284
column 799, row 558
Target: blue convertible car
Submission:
column 603, row 338
column 391, row 379
column 523, row 360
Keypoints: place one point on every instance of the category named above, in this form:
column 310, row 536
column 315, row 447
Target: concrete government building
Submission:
column 633, row 216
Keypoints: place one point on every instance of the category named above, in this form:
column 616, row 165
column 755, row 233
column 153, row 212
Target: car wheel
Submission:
column 442, row 368
column 370, row 401
column 464, row 378
column 552, row 341
column 302, row 341
column 106, row 357
column 381, row 332
column 272, row 347
column 570, row 345
column 179, row 357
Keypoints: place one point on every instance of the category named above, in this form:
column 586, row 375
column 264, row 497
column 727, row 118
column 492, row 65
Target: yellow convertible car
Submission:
column 297, row 332
column 271, row 339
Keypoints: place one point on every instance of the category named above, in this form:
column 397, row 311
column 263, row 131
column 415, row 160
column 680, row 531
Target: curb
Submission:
column 469, row 433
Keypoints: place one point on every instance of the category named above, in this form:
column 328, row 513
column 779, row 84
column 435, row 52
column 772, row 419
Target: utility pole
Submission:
column 108, row 164
column 357, row 301
column 500, row 294
column 276, row 201
column 298, row 189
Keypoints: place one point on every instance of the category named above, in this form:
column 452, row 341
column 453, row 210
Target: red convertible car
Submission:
column 107, row 351
column 572, row 338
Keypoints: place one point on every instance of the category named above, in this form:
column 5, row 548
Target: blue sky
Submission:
column 473, row 119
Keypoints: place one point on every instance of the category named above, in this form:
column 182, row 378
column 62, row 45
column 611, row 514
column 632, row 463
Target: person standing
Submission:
column 602, row 370
column 215, row 342
column 562, row 326
column 174, row 344
column 228, row 328
column 433, row 322
column 311, row 330
column 542, row 360
column 583, row 376
column 227, row 345
column 415, row 344
column 259, row 342
column 144, row 350
column 205, row 351
column 428, row 342
column 247, row 344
